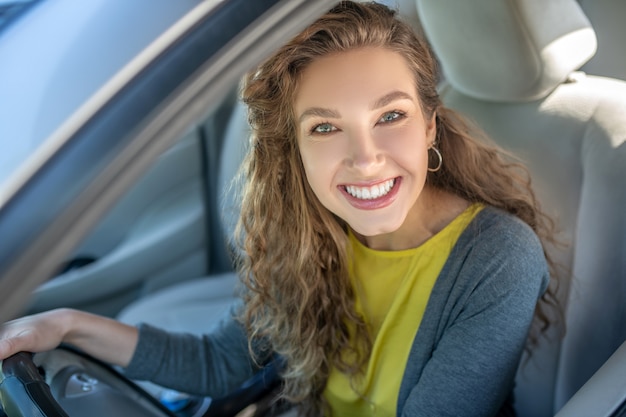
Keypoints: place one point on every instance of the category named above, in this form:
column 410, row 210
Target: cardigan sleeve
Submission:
column 470, row 366
column 207, row 365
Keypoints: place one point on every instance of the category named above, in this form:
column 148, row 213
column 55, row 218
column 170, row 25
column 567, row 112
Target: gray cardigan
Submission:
column 463, row 358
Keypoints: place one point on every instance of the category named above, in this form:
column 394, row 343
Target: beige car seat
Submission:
column 518, row 81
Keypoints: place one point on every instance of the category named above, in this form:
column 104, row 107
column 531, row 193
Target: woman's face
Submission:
column 363, row 138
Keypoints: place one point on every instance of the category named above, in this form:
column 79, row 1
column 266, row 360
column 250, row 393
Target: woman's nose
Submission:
column 364, row 153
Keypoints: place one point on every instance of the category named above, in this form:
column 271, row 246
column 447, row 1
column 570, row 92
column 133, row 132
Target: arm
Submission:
column 101, row 337
column 210, row 364
column 470, row 365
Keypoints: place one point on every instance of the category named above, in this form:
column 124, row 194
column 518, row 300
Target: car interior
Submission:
column 547, row 82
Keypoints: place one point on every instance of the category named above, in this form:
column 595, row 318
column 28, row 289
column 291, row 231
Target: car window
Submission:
column 59, row 53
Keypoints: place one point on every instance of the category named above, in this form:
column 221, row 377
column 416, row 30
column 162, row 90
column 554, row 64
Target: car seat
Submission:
column 518, row 81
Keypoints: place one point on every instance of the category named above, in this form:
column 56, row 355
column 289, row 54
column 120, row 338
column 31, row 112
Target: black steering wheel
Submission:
column 65, row 382
column 23, row 391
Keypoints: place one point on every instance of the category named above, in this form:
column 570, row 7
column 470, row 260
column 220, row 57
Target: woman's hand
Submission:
column 36, row 333
column 100, row 337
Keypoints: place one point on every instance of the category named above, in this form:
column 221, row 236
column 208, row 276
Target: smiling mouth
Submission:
column 372, row 192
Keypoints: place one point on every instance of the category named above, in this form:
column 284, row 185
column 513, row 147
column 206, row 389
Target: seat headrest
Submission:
column 507, row 51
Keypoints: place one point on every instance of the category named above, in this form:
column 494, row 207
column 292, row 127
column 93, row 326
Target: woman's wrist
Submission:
column 102, row 337
column 70, row 325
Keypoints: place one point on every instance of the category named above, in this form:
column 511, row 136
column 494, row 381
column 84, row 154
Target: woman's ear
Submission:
column 431, row 129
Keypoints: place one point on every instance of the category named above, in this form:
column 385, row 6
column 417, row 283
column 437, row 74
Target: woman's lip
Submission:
column 374, row 203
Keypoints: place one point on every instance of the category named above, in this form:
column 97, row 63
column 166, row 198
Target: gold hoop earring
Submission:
column 438, row 167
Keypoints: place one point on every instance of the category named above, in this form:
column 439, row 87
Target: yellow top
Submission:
column 393, row 288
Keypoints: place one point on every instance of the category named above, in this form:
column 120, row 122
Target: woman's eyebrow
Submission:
column 330, row 113
column 389, row 98
column 320, row 112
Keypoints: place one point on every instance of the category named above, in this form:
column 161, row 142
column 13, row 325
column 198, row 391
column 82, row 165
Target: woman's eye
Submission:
column 323, row 128
column 391, row 116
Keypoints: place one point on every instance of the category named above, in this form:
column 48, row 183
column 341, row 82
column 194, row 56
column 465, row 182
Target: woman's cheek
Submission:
column 323, row 153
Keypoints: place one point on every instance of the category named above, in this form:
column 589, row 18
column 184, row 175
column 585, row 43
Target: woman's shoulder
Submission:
column 496, row 228
column 497, row 245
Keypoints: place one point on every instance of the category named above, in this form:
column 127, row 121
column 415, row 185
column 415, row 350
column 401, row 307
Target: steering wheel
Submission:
column 23, row 391
column 65, row 382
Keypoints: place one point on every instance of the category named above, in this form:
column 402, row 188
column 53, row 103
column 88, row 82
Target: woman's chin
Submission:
column 373, row 231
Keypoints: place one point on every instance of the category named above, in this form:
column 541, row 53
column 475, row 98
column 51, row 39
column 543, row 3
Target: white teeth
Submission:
column 371, row 193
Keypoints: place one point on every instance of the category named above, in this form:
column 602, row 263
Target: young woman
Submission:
column 392, row 260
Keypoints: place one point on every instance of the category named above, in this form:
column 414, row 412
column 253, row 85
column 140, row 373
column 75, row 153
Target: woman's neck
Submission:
column 433, row 211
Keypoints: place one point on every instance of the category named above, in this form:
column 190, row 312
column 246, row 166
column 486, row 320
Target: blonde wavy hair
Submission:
column 299, row 300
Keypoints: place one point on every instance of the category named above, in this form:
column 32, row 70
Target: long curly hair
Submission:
column 299, row 300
